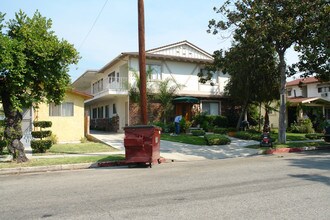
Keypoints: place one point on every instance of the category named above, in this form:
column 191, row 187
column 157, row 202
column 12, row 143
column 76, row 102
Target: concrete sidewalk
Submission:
column 171, row 151
column 186, row 152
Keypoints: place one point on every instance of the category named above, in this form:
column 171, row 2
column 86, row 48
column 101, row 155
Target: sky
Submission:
column 101, row 29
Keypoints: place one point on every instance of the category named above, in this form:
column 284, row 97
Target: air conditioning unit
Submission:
column 325, row 94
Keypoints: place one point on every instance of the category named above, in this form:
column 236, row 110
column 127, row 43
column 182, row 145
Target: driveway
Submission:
column 186, row 152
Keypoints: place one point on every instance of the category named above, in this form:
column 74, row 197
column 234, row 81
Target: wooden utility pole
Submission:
column 142, row 64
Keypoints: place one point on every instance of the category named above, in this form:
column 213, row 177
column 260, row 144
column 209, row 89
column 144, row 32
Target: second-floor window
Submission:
column 155, row 71
column 98, row 86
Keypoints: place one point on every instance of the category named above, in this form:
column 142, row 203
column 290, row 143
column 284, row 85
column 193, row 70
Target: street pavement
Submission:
column 291, row 186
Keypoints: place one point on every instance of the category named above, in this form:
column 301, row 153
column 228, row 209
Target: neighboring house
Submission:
column 306, row 97
column 111, row 108
column 68, row 118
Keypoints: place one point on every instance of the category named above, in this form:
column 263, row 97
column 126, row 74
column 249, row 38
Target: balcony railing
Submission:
column 114, row 84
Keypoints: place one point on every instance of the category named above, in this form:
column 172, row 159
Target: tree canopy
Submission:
column 282, row 24
column 34, row 66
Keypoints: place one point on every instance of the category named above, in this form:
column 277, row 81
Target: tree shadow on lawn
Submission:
column 316, row 160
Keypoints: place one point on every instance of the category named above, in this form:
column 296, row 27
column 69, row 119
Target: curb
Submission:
column 295, row 150
column 39, row 169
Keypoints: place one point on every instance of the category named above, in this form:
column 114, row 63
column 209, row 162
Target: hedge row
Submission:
column 216, row 139
column 198, row 132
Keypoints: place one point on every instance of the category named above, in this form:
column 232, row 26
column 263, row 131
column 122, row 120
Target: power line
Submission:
column 90, row 30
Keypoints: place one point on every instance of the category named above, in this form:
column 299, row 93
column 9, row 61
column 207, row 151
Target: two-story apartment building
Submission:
column 306, row 97
column 181, row 62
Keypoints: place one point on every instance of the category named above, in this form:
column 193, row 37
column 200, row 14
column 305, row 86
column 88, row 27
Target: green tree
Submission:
column 164, row 95
column 34, row 66
column 282, row 24
column 253, row 74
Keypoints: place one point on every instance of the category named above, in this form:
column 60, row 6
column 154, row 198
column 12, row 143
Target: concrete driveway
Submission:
column 186, row 152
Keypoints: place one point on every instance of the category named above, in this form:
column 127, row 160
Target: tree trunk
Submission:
column 282, row 116
column 241, row 115
column 13, row 129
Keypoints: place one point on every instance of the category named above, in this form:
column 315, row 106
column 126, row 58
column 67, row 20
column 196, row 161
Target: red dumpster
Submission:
column 142, row 144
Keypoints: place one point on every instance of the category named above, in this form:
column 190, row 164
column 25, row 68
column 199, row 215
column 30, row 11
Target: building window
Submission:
column 94, row 115
column 155, row 71
column 65, row 109
column 114, row 110
column 107, row 111
column 100, row 112
column 98, row 86
column 112, row 77
column 211, row 108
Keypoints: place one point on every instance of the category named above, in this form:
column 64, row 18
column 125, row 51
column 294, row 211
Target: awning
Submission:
column 186, row 99
column 310, row 100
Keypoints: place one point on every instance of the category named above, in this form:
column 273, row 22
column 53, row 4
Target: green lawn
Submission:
column 81, row 148
column 60, row 161
column 184, row 138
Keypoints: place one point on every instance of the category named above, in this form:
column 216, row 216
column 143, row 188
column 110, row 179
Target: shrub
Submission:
column 53, row 138
column 220, row 121
column 3, row 144
column 220, row 130
column 40, row 146
column 83, row 140
column 198, row 132
column 42, row 124
column 166, row 128
column 41, row 134
column 303, row 126
column 313, row 136
column 216, row 139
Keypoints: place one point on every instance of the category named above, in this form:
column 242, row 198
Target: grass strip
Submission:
column 62, row 160
column 81, row 148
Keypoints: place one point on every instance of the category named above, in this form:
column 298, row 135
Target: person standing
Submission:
column 177, row 120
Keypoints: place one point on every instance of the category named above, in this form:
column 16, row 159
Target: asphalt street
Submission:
column 292, row 186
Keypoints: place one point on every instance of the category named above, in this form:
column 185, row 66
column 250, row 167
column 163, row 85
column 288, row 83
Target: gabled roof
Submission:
column 162, row 54
column 164, row 49
column 302, row 81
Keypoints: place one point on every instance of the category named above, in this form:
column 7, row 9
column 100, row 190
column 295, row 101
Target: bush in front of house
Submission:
column 216, row 139
column 41, row 146
column 209, row 122
column 198, row 132
column 166, row 128
column 303, row 126
column 220, row 121
column 217, row 130
column 314, row 136
column 245, row 135
column 3, row 144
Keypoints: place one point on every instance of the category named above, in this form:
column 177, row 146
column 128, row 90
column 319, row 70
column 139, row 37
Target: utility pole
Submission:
column 142, row 63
